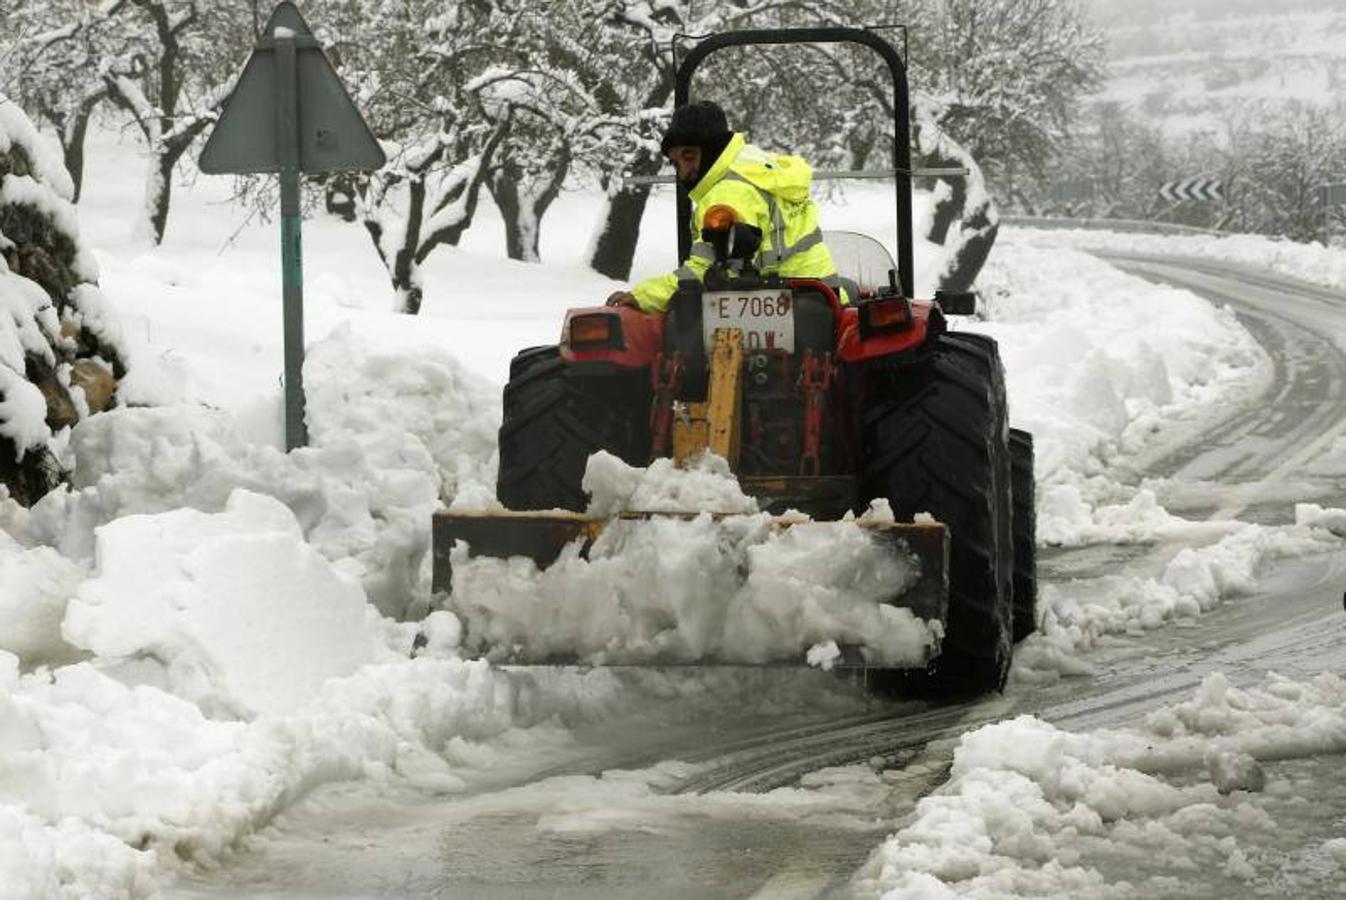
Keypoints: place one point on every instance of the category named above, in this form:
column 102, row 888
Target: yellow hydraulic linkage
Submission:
column 714, row 424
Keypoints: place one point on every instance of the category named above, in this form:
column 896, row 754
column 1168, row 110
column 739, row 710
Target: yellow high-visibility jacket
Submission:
column 770, row 191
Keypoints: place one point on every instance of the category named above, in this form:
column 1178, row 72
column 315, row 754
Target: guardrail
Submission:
column 1128, row 225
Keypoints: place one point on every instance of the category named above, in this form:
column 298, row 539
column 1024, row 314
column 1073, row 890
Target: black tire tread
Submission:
column 554, row 418
column 1025, row 534
column 936, row 440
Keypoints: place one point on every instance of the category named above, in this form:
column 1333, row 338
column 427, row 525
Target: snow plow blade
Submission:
column 542, row 536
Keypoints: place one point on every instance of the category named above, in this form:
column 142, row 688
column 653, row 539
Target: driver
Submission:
column 771, row 191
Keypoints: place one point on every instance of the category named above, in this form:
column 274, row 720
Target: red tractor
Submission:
column 818, row 405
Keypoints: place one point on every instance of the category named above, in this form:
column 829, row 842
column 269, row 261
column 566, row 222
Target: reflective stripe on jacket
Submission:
column 768, row 190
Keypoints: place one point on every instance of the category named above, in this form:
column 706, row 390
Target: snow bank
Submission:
column 1031, row 810
column 1094, row 384
column 145, row 781
column 37, row 584
column 739, row 589
column 1075, row 615
column 1308, row 262
column 392, row 436
column 239, row 613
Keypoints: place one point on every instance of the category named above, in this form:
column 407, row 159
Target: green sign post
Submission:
column 289, row 113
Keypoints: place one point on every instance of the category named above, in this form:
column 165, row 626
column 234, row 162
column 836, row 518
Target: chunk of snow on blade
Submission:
column 242, row 614
column 682, row 590
column 707, row 486
column 880, row 510
column 823, row 656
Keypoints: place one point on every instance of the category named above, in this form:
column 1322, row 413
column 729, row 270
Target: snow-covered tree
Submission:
column 51, row 61
column 429, row 78
column 1111, row 167
column 1275, row 163
column 170, row 66
column 60, row 347
column 1009, row 76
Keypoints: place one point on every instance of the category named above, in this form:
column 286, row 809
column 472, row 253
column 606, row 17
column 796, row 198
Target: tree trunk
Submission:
column 406, row 277
column 504, row 188
column 615, row 248
column 158, row 192
column 407, row 289
column 72, row 148
column 159, row 188
column 523, row 202
column 966, row 229
column 962, row 269
column 948, row 207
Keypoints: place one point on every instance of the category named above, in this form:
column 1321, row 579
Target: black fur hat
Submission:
column 699, row 124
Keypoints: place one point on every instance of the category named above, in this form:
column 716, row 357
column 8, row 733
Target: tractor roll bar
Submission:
column 901, row 118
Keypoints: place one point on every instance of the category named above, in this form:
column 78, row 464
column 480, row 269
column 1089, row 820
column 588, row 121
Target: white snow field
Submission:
column 1312, row 263
column 204, row 628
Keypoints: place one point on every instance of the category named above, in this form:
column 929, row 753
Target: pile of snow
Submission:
column 708, row 485
column 1032, row 810
column 1074, row 616
column 37, row 582
column 1313, row 263
column 232, row 610
column 1094, row 382
column 392, row 438
column 746, row 588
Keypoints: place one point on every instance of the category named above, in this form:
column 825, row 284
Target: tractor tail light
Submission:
column 884, row 315
column 595, row 331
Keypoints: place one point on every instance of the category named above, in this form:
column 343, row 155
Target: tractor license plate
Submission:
column 766, row 318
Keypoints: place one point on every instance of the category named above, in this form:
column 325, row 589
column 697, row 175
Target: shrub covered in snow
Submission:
column 60, row 350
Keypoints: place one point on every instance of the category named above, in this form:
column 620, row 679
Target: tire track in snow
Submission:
column 1299, row 413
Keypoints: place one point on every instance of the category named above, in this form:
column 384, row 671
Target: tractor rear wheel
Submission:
column 555, row 416
column 936, row 440
column 1025, row 534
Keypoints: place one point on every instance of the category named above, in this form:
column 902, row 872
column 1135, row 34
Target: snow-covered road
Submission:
column 760, row 806
column 1267, row 444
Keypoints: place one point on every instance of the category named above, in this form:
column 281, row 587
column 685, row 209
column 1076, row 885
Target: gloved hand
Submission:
column 623, row 298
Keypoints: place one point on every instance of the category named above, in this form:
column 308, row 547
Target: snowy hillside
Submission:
column 1195, row 65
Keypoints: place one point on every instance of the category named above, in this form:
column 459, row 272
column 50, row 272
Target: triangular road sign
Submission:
column 333, row 135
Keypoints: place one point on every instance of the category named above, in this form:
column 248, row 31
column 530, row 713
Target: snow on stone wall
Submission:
column 60, row 347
